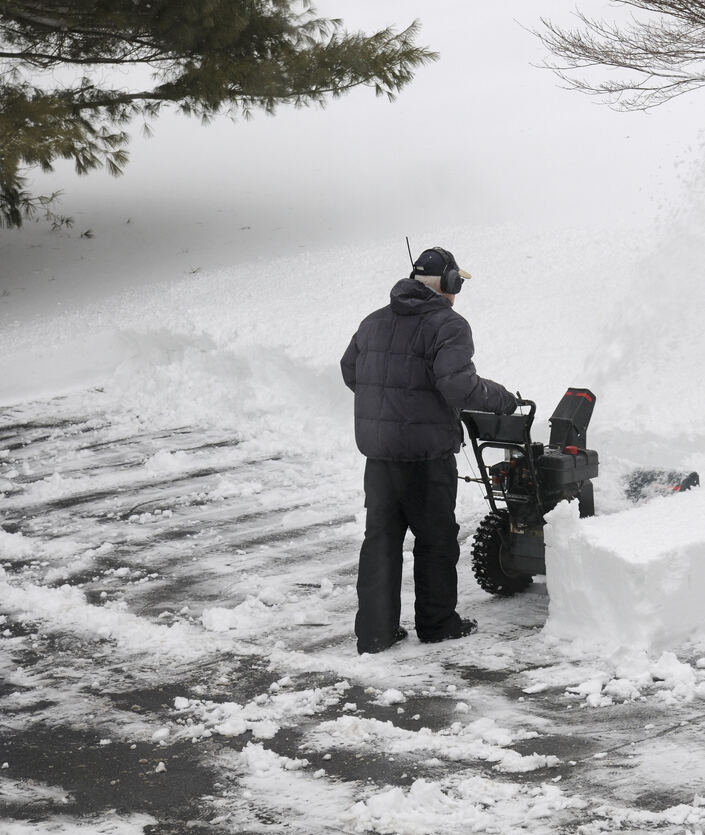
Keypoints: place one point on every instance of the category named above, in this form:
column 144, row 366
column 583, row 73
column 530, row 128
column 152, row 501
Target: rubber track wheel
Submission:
column 486, row 566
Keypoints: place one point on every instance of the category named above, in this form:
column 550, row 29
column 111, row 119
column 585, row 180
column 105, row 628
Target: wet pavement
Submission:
column 118, row 546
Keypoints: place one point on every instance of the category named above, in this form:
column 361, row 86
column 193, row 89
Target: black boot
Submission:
column 466, row 627
column 375, row 646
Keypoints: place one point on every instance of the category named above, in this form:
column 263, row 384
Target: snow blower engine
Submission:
column 508, row 547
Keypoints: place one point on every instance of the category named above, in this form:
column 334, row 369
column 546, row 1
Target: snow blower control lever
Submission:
column 508, row 547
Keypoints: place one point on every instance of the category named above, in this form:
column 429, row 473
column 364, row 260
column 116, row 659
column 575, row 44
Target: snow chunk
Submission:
column 390, row 697
column 55, row 486
column 631, row 579
column 312, row 617
column 28, row 792
column 108, row 823
column 259, row 760
column 166, row 462
column 248, row 615
column 15, row 546
column 626, row 676
column 263, row 716
column 481, row 740
column 473, row 805
column 681, row 815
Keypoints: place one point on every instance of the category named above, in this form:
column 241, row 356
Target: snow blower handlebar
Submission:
column 500, row 430
column 511, row 433
column 521, row 403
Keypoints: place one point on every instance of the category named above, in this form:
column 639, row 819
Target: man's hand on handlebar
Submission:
column 509, row 404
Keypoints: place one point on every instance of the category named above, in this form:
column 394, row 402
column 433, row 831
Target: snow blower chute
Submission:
column 508, row 547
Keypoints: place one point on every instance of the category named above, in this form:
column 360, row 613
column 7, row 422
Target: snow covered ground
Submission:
column 181, row 519
column 181, row 495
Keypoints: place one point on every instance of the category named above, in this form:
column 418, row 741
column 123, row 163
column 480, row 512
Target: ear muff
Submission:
column 451, row 281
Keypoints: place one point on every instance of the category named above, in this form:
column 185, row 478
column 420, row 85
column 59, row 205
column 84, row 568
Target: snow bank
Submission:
column 242, row 355
column 57, row 362
column 631, row 579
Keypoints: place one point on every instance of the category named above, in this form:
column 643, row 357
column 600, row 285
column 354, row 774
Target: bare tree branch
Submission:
column 649, row 61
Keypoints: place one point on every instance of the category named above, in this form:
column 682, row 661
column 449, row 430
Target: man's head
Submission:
column 438, row 269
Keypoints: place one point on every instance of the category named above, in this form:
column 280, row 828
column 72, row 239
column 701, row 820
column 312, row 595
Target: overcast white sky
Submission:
column 482, row 135
column 480, row 138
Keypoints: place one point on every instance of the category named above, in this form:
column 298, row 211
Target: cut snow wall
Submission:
column 634, row 579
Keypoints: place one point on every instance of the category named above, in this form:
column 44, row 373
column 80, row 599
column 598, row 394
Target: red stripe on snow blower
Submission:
column 579, row 394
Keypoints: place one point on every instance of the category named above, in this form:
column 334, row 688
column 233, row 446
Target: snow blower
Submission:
column 508, row 548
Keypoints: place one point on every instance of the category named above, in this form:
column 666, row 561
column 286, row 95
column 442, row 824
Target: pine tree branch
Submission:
column 46, row 60
column 62, row 27
column 210, row 57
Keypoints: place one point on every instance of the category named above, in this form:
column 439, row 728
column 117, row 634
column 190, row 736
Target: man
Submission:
column 410, row 366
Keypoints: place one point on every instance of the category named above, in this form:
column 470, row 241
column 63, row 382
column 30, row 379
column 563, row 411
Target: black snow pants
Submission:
column 401, row 495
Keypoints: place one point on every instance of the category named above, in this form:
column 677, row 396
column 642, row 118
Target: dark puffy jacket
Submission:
column 410, row 366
